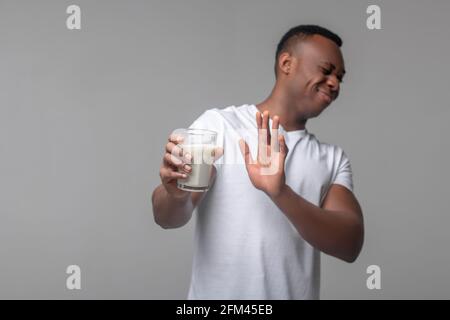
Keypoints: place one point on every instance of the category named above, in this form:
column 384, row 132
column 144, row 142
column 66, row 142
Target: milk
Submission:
column 201, row 164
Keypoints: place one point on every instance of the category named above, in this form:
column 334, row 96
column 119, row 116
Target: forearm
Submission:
column 332, row 232
column 170, row 212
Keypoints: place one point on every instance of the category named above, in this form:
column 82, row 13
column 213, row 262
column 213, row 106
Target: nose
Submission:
column 333, row 84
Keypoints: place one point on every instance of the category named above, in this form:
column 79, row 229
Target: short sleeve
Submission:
column 343, row 175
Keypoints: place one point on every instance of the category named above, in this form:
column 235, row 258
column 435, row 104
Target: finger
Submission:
column 245, row 150
column 176, row 138
column 261, row 136
column 265, row 126
column 167, row 174
column 263, row 153
column 168, row 164
column 178, row 152
column 177, row 175
column 258, row 120
column 275, row 122
column 168, row 161
column 173, row 161
column 274, row 144
column 174, row 149
column 283, row 147
column 281, row 156
column 260, row 132
column 217, row 153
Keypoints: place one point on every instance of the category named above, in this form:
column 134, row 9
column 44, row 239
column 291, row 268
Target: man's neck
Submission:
column 277, row 105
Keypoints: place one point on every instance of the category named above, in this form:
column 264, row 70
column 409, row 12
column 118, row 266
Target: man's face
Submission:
column 317, row 69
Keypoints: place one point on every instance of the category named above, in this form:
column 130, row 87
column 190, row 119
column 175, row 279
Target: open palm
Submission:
column 267, row 172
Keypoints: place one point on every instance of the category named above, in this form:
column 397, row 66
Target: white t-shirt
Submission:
column 245, row 247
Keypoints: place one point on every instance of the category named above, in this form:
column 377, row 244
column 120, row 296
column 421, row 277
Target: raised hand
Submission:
column 267, row 172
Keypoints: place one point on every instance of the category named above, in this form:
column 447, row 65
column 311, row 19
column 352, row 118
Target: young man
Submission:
column 259, row 235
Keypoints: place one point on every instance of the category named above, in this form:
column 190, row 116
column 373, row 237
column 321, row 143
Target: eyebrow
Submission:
column 334, row 67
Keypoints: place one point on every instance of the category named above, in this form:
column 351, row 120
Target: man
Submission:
column 259, row 235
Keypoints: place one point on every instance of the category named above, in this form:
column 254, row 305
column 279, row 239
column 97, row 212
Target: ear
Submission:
column 285, row 63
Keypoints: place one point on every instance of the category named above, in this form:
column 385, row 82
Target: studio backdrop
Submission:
column 87, row 104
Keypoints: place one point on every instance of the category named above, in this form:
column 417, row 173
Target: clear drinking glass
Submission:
column 200, row 144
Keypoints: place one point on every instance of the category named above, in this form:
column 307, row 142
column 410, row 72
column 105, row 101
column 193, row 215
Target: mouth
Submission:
column 324, row 95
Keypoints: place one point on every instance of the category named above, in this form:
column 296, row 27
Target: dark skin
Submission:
column 308, row 80
column 336, row 227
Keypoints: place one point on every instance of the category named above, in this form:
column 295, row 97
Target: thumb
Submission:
column 283, row 147
column 217, row 153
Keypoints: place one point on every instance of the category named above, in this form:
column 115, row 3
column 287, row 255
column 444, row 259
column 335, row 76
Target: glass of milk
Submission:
column 200, row 144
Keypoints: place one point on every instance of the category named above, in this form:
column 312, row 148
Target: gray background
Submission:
column 84, row 116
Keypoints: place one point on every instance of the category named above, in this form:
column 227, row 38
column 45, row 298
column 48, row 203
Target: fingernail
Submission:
column 186, row 167
column 188, row 157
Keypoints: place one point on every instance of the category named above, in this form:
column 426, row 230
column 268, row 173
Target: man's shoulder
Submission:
column 229, row 115
column 330, row 149
column 229, row 110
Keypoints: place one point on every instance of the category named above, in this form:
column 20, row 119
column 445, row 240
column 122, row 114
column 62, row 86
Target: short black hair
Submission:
column 303, row 31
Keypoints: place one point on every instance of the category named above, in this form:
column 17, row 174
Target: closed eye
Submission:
column 328, row 72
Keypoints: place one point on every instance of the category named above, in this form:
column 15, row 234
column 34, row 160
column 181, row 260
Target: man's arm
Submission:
column 336, row 229
column 173, row 207
column 173, row 212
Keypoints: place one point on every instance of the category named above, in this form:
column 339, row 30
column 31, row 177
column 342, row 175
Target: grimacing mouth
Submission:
column 329, row 94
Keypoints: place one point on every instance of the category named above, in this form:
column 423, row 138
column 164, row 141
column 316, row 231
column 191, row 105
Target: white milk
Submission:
column 201, row 164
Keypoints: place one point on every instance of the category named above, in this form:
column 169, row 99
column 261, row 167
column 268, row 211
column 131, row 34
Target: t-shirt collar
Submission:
column 291, row 135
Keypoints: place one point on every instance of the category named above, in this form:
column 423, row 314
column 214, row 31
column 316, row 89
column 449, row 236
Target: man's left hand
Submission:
column 267, row 172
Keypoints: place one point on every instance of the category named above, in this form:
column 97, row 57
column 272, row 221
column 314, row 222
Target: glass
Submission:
column 200, row 144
